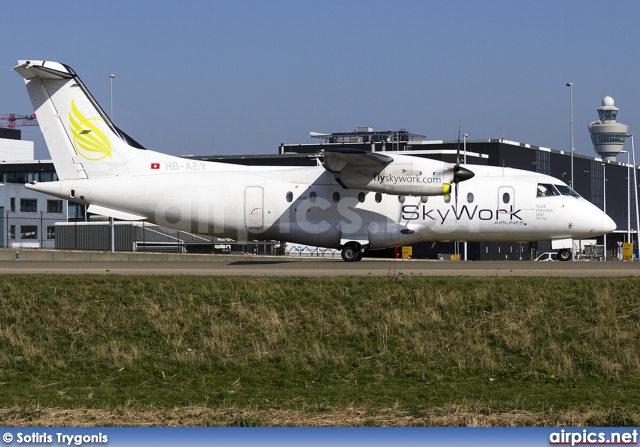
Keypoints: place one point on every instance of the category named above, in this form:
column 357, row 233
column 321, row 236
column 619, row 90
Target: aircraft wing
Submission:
column 335, row 160
column 391, row 174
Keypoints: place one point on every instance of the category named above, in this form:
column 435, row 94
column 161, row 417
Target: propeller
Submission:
column 460, row 174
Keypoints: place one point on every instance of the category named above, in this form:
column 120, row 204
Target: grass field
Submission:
column 100, row 350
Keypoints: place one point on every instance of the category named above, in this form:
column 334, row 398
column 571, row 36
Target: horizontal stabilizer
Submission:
column 109, row 212
column 48, row 70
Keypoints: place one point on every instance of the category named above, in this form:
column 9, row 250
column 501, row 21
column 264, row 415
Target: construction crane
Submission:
column 14, row 120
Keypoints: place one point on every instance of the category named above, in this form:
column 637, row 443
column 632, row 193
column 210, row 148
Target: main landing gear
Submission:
column 564, row 255
column 352, row 252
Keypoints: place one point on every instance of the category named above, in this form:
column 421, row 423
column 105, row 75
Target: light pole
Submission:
column 111, row 76
column 628, row 198
column 464, row 150
column 570, row 85
column 464, row 147
column 635, row 189
column 604, row 195
column 111, row 227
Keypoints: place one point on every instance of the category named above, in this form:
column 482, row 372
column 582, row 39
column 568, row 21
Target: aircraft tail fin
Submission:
column 81, row 138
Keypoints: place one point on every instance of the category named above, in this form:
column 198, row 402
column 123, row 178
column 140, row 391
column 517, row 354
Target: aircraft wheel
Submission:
column 564, row 255
column 351, row 253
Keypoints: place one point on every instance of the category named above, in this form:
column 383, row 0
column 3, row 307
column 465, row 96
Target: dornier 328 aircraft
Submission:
column 355, row 200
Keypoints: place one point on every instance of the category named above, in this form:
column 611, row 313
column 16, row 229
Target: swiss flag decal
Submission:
column 155, row 165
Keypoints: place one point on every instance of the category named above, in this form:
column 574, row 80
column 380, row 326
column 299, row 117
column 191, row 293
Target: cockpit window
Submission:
column 567, row 191
column 546, row 190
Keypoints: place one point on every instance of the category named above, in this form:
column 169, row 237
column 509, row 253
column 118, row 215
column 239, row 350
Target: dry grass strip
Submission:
column 348, row 417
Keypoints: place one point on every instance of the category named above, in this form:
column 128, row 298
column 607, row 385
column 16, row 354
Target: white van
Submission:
column 548, row 256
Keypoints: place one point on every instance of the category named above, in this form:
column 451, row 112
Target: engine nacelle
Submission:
column 413, row 177
column 392, row 174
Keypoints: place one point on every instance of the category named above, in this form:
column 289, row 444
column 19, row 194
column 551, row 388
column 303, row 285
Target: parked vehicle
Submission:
column 548, row 256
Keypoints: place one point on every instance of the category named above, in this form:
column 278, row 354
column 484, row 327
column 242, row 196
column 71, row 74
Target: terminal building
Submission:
column 29, row 219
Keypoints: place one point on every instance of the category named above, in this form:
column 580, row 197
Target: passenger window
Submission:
column 378, row 197
column 401, row 199
column 312, row 196
column 361, row 197
column 424, row 199
column 336, row 197
column 470, row 197
column 506, row 197
column 289, row 196
column 447, row 198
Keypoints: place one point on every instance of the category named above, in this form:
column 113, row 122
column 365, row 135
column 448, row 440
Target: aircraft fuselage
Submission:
column 307, row 206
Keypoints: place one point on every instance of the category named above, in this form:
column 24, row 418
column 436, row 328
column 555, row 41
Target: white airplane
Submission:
column 355, row 200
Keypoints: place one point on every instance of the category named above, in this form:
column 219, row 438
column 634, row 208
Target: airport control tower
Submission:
column 607, row 135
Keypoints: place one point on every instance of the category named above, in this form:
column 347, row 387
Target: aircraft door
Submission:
column 254, row 207
column 506, row 202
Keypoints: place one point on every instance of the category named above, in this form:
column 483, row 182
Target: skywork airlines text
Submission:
column 415, row 212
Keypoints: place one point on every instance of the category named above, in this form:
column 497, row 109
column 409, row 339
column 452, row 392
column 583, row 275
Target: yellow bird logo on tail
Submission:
column 88, row 140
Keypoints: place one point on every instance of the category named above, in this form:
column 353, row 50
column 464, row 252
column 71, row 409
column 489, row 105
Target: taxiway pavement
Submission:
column 287, row 266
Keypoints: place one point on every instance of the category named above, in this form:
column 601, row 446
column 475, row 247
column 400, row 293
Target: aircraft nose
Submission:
column 608, row 225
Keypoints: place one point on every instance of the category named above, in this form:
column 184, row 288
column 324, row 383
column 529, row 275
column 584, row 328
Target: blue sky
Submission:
column 241, row 77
